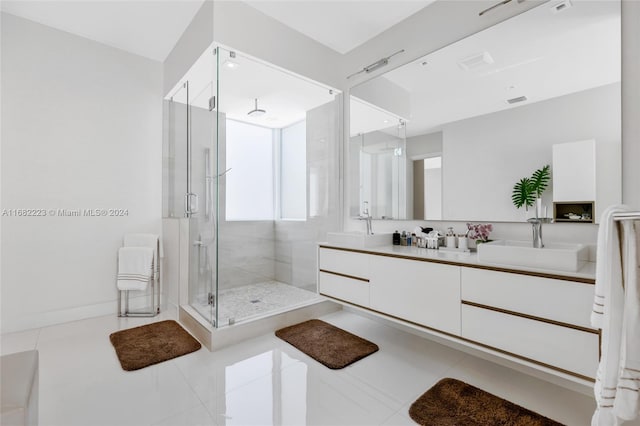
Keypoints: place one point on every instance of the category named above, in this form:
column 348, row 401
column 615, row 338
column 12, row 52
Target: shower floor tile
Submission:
column 254, row 300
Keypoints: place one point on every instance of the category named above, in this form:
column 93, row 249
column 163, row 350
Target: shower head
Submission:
column 256, row 112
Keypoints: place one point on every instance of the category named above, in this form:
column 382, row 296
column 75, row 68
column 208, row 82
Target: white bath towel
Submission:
column 628, row 392
column 147, row 240
column 135, row 267
column 607, row 315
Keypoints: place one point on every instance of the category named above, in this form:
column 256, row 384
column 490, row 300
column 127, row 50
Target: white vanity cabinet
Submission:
column 344, row 275
column 540, row 319
column 536, row 318
column 424, row 293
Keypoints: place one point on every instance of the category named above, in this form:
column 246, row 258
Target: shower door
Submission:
column 200, row 198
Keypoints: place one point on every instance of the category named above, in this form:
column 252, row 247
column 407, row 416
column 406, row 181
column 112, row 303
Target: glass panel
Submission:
column 199, row 197
column 382, row 161
column 277, row 143
column 174, row 167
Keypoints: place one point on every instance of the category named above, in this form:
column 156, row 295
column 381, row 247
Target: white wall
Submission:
column 82, row 129
column 483, row 157
column 196, row 38
column 239, row 26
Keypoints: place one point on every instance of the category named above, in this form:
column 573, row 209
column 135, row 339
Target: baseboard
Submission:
column 44, row 319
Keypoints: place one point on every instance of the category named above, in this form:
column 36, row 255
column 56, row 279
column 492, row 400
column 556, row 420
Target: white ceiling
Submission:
column 340, row 25
column 148, row 28
column 539, row 54
column 285, row 96
column 151, row 28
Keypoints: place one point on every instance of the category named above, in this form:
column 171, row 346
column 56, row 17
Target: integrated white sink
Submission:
column 359, row 239
column 556, row 256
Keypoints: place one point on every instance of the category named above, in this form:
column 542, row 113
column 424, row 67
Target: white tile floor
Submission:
column 263, row 381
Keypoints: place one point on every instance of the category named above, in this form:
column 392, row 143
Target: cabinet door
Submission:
column 562, row 347
column 557, row 300
column 421, row 292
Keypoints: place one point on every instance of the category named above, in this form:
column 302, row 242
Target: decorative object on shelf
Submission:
column 479, row 232
column 528, row 191
column 573, row 211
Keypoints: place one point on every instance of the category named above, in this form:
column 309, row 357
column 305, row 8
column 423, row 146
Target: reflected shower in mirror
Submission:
column 490, row 107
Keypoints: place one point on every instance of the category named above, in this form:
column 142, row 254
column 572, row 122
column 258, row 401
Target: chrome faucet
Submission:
column 366, row 216
column 536, row 224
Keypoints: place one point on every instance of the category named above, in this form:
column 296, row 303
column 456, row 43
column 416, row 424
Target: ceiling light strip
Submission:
column 495, row 6
column 377, row 64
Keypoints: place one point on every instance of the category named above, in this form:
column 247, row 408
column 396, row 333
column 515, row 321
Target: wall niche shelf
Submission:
column 561, row 210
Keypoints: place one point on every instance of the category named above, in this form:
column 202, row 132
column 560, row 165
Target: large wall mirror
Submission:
column 446, row 136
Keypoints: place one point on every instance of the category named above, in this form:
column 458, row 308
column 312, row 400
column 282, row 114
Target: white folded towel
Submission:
column 147, row 240
column 607, row 314
column 135, row 267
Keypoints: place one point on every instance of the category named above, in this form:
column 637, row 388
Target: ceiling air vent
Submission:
column 475, row 61
column 516, row 100
column 559, row 7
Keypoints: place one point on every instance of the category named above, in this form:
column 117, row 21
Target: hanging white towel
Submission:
column 147, row 240
column 616, row 311
column 135, row 267
column 628, row 392
column 607, row 315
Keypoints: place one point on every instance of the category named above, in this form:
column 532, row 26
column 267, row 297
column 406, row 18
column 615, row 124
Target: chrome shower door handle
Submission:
column 190, row 203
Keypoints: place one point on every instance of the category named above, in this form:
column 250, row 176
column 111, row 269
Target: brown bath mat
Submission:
column 150, row 344
column 451, row 402
column 329, row 345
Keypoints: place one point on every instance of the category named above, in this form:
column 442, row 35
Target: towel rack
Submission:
column 626, row 216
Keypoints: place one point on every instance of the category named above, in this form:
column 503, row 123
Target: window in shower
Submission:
column 249, row 194
column 252, row 191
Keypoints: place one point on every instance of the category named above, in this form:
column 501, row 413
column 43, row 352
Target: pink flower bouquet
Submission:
column 479, row 231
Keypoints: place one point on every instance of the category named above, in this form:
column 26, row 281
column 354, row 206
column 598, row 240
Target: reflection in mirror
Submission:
column 427, row 188
column 382, row 157
column 491, row 107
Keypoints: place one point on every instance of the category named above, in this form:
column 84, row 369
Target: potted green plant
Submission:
column 528, row 191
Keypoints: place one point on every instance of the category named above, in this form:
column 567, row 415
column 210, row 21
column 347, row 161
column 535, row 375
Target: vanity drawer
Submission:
column 562, row 347
column 564, row 301
column 344, row 262
column 344, row 288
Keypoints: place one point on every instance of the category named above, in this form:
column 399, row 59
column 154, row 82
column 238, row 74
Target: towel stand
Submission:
column 155, row 298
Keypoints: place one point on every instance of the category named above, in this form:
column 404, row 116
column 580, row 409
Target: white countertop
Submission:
column 586, row 271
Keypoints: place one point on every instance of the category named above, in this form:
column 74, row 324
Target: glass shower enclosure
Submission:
column 252, row 166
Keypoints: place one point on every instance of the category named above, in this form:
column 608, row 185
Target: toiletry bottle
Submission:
column 403, row 239
column 451, row 238
column 396, row 238
column 408, row 239
column 414, row 239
